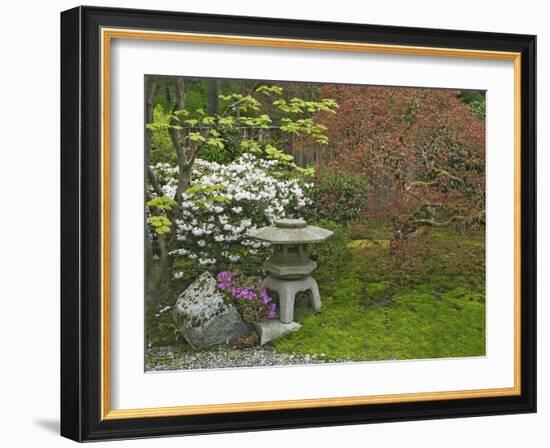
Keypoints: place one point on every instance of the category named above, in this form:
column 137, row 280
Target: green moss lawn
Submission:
column 428, row 301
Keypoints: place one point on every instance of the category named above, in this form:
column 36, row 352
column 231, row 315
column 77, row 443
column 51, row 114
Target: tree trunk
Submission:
column 153, row 283
column 181, row 98
column 151, row 87
column 157, row 279
column 161, row 276
column 164, row 261
column 185, row 154
column 213, row 103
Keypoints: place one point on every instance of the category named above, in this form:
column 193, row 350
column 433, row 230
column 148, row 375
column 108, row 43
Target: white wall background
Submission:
column 29, row 220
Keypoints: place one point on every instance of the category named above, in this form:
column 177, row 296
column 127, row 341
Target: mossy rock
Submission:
column 205, row 318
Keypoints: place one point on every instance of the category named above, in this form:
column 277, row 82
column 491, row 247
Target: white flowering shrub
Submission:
column 166, row 175
column 225, row 201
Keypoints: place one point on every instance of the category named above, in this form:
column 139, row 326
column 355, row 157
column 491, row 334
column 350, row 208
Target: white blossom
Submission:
column 247, row 195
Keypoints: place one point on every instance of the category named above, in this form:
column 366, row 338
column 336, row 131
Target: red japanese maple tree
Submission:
column 422, row 150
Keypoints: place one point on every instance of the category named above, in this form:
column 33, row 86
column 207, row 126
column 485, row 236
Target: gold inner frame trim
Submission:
column 107, row 35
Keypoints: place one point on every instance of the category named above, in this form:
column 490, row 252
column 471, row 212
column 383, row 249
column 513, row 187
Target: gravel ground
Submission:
column 176, row 358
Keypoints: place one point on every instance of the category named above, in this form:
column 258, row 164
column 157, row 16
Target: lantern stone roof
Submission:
column 290, row 231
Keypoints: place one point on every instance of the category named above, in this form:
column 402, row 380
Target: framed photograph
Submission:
column 273, row 223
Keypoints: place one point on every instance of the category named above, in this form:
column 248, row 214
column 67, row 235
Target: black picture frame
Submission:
column 81, row 224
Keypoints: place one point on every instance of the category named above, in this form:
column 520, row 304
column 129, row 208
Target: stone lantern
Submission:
column 289, row 267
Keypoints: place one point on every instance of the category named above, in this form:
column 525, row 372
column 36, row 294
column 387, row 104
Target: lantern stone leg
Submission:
column 315, row 296
column 287, row 290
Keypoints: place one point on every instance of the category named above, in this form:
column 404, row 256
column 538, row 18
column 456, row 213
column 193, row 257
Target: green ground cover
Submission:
column 428, row 302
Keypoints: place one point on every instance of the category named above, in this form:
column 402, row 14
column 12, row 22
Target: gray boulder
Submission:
column 205, row 318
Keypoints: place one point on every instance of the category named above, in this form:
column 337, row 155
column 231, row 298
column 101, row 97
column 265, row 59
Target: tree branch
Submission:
column 154, row 181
